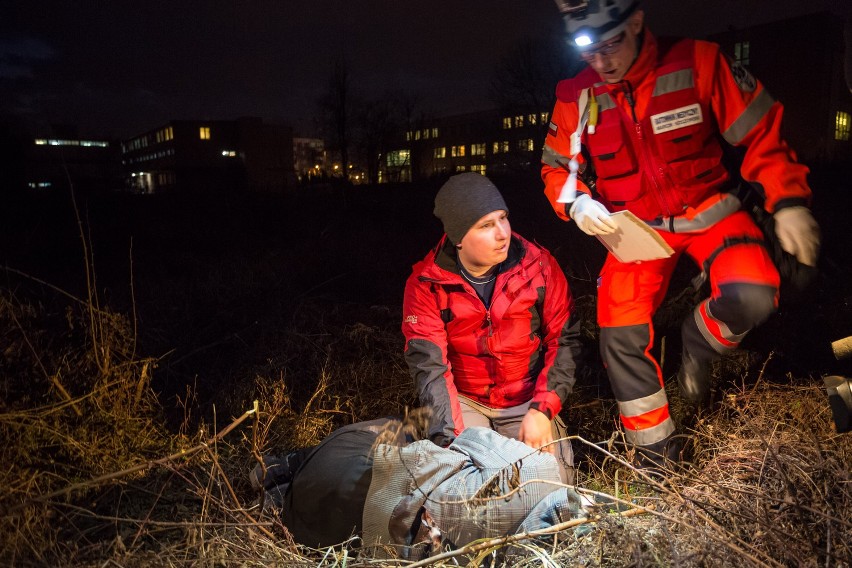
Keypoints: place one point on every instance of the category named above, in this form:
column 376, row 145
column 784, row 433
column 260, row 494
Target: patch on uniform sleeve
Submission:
column 411, row 319
column 745, row 80
column 552, row 129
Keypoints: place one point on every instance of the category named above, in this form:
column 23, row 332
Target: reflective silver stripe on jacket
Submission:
column 728, row 205
column 605, row 102
column 553, row 158
column 749, row 118
column 674, row 81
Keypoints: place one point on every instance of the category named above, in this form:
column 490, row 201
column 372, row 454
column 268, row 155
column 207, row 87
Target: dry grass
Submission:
column 92, row 477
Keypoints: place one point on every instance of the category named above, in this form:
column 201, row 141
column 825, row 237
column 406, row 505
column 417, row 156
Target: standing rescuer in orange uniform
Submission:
column 647, row 120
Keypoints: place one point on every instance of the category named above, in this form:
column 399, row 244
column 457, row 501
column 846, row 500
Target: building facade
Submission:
column 488, row 142
column 194, row 155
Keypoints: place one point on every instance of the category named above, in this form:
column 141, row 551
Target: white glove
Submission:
column 591, row 216
column 798, row 233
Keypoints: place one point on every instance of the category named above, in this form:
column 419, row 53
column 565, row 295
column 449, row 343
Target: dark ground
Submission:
column 216, row 282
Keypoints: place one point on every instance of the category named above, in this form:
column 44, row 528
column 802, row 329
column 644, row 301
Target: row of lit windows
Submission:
column 165, row 134
column 501, row 147
column 151, row 156
column 84, row 143
column 842, row 125
column 135, row 144
column 521, row 120
column 424, row 134
column 478, row 168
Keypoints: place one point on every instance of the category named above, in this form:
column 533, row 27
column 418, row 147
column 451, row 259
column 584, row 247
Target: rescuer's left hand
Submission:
column 798, row 233
column 536, row 431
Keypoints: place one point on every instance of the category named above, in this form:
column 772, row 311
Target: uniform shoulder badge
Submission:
column 745, row 80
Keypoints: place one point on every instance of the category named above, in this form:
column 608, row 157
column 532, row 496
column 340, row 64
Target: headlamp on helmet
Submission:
column 592, row 21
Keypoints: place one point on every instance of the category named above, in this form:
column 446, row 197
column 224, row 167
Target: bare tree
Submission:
column 337, row 108
column 525, row 79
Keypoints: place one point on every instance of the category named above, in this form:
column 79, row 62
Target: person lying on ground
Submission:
column 376, row 481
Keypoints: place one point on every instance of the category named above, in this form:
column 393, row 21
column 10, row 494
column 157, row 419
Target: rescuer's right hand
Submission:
column 591, row 216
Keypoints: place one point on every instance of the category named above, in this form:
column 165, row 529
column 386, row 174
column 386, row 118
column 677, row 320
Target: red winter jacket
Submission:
column 522, row 349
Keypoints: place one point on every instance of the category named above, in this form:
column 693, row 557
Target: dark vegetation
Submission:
column 198, row 305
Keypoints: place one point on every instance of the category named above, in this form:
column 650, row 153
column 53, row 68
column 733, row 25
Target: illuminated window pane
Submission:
column 507, row 122
column 204, row 133
column 741, row 50
column 519, row 121
column 526, row 145
column 398, row 157
column 461, row 168
column 478, row 168
column 434, row 133
column 842, row 126
column 477, row 149
column 457, row 151
column 441, row 152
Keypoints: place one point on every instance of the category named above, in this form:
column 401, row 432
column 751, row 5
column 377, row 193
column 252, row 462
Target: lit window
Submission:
column 841, row 126
column 507, row 122
column 40, row 142
column 417, row 135
column 741, row 49
column 426, row 134
column 441, row 152
column 500, row 147
column 457, row 151
column 399, row 158
column 519, row 121
column 408, row 136
column 229, row 153
column 479, row 169
column 532, row 118
column 170, row 133
column 461, row 169
column 435, row 132
column 204, row 133
column 477, row 149
column 526, row 145
column 545, row 116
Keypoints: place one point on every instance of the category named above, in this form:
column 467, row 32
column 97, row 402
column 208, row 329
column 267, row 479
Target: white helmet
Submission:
column 594, row 21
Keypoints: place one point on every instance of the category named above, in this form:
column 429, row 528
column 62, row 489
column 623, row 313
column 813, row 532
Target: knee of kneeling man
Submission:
column 751, row 304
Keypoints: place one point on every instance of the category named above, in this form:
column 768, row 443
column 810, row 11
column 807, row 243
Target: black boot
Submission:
column 277, row 470
column 660, row 457
column 693, row 378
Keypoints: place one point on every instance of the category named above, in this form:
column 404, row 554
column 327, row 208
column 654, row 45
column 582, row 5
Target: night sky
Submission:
column 118, row 68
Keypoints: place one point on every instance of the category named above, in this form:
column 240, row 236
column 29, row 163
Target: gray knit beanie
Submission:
column 463, row 201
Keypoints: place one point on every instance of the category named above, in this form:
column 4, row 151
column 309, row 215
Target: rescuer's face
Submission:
column 613, row 58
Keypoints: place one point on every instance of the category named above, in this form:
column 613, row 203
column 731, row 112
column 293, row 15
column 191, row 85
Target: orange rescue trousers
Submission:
column 744, row 293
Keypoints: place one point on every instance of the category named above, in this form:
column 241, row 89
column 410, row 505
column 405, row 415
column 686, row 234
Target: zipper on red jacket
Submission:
column 659, row 194
column 488, row 323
